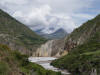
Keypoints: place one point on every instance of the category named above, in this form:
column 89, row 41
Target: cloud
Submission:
column 46, row 14
column 34, row 15
column 42, row 18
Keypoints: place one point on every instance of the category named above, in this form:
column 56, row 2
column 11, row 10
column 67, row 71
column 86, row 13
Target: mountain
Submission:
column 54, row 47
column 22, row 42
column 60, row 33
column 18, row 36
column 83, row 45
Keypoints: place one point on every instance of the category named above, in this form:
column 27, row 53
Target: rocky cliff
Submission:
column 51, row 48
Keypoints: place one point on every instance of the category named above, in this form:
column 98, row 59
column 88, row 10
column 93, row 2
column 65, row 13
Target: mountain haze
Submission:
column 59, row 34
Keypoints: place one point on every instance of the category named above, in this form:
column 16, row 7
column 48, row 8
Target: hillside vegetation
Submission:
column 14, row 63
column 84, row 57
column 22, row 42
column 18, row 36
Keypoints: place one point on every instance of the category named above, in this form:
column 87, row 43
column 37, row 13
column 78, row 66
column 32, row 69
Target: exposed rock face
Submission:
column 44, row 50
column 80, row 35
column 51, row 48
column 93, row 72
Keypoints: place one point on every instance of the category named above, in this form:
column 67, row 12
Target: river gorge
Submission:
column 48, row 52
column 45, row 62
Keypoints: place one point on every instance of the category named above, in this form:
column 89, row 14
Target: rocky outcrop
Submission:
column 44, row 50
column 51, row 48
column 81, row 35
column 93, row 72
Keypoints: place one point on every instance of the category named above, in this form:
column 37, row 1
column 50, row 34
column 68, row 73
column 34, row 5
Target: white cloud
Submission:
column 4, row 2
column 45, row 14
column 36, row 16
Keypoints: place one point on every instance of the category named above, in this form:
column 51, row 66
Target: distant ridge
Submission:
column 59, row 34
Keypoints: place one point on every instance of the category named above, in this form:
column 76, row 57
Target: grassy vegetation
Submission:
column 14, row 63
column 4, row 69
column 16, row 33
column 86, row 28
column 84, row 58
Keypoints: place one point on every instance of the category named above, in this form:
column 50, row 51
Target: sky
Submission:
column 51, row 15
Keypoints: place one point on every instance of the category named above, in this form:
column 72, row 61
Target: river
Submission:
column 45, row 62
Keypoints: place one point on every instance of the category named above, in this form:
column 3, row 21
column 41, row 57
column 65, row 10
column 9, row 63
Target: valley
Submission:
column 83, row 44
column 17, row 43
column 45, row 62
column 23, row 52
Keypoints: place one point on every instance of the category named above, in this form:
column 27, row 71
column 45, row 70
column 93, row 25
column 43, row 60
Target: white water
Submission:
column 45, row 62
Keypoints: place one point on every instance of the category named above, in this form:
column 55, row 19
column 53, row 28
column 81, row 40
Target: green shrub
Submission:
column 82, row 59
column 4, row 68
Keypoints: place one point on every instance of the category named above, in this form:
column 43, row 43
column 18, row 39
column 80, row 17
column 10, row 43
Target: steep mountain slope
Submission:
column 14, row 63
column 18, row 36
column 83, row 45
column 59, row 34
column 82, row 34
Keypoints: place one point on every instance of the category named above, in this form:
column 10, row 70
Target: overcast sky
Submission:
column 51, row 15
